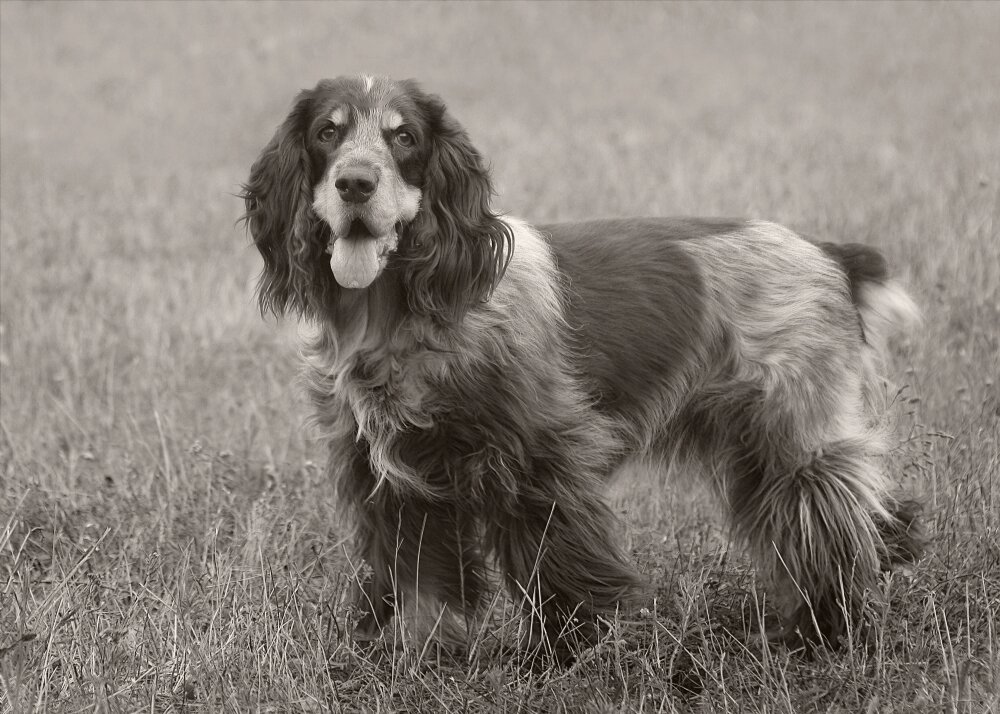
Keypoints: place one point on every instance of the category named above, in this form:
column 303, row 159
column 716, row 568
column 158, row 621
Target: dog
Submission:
column 478, row 380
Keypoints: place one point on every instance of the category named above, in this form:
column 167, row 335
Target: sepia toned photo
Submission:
column 499, row 356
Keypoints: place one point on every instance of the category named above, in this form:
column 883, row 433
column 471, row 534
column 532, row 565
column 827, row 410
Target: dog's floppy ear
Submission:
column 458, row 249
column 279, row 215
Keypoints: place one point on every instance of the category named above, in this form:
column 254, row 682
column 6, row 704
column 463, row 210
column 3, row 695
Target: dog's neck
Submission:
column 373, row 328
column 369, row 315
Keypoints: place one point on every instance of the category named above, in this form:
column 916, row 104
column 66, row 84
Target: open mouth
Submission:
column 358, row 256
column 359, row 230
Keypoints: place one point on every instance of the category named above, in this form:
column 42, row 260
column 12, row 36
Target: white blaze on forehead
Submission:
column 369, row 82
column 391, row 120
column 339, row 116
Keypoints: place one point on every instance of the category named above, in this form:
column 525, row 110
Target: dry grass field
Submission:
column 167, row 539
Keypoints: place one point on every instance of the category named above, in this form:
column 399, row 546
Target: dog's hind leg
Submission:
column 816, row 514
column 812, row 526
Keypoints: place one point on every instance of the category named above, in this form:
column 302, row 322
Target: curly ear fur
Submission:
column 458, row 247
column 280, row 219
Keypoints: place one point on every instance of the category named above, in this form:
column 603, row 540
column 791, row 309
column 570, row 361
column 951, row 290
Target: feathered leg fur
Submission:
column 819, row 522
column 424, row 555
column 561, row 559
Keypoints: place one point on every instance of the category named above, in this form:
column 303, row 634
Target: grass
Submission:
column 167, row 540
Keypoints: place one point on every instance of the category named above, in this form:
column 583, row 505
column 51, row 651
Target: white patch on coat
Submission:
column 782, row 307
column 391, row 120
column 339, row 116
column 886, row 310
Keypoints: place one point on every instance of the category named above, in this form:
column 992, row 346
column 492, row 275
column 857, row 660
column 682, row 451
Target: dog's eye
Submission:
column 328, row 133
column 405, row 139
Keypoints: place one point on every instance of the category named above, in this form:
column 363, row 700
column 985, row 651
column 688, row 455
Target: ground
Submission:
column 167, row 539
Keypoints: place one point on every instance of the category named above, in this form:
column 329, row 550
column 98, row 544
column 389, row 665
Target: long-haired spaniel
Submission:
column 478, row 380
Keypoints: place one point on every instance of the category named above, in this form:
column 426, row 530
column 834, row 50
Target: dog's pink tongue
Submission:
column 354, row 261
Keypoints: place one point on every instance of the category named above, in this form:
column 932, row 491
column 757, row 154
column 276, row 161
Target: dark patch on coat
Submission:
column 634, row 301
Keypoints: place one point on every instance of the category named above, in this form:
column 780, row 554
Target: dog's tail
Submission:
column 885, row 308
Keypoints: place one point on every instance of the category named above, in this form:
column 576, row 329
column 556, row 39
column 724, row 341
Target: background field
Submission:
column 167, row 541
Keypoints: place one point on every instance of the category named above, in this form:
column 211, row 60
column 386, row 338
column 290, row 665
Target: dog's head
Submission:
column 368, row 180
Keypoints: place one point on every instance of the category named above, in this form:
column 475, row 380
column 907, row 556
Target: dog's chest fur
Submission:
column 392, row 387
column 376, row 388
column 411, row 393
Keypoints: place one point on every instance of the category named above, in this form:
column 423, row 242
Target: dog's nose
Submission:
column 356, row 184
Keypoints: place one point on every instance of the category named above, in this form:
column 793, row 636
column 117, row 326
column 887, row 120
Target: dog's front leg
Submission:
column 425, row 561
column 562, row 561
